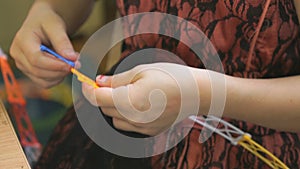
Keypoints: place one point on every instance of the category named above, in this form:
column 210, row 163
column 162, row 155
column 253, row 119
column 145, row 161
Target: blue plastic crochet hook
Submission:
column 81, row 77
column 46, row 49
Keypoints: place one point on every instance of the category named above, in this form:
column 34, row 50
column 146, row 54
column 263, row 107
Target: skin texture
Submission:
column 258, row 101
column 272, row 103
column 48, row 23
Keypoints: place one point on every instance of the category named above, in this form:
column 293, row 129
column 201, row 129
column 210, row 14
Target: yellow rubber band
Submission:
column 82, row 78
column 261, row 153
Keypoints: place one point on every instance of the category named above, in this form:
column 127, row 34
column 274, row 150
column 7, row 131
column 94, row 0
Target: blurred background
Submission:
column 46, row 107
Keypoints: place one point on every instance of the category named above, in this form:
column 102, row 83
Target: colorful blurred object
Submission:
column 27, row 136
column 45, row 108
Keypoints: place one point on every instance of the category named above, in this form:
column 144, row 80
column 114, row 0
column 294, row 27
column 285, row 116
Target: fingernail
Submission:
column 101, row 79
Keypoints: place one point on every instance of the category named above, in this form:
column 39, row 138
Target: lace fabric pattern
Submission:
column 230, row 25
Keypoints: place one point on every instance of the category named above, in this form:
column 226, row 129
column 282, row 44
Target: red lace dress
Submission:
column 231, row 25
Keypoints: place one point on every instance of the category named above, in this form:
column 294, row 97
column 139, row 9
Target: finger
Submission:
column 17, row 55
column 44, row 83
column 47, row 61
column 98, row 96
column 41, row 71
column 110, row 97
column 112, row 112
column 59, row 38
column 124, row 125
column 121, row 79
column 104, row 81
column 48, row 75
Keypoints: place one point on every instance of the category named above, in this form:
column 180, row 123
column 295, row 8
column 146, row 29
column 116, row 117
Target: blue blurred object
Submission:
column 46, row 49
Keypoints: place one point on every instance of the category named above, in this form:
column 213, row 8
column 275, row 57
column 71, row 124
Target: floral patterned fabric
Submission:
column 230, row 25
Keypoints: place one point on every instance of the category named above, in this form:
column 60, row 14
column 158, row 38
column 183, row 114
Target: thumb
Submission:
column 118, row 80
column 104, row 81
